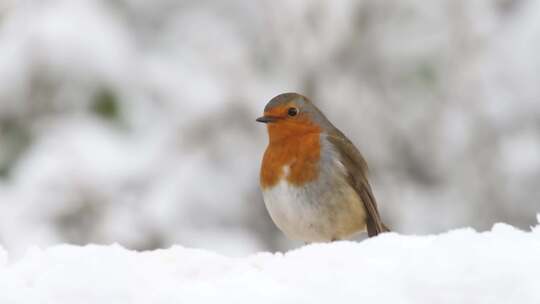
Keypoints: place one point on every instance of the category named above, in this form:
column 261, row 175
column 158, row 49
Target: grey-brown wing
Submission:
column 357, row 174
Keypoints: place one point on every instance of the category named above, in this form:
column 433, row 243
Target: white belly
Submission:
column 325, row 210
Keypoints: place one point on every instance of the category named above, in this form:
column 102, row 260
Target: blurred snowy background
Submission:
column 132, row 121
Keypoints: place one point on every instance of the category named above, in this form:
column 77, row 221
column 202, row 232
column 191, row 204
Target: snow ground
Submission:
column 461, row 266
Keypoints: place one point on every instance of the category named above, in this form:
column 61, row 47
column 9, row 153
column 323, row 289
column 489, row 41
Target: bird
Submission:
column 313, row 179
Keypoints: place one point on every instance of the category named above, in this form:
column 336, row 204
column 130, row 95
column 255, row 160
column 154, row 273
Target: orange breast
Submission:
column 301, row 153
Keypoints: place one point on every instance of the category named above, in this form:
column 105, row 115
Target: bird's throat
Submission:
column 299, row 153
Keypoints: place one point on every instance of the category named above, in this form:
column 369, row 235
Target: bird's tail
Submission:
column 373, row 228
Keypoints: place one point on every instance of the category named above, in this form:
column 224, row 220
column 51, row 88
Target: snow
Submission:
column 460, row 266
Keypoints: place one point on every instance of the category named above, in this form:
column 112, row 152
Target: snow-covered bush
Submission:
column 132, row 121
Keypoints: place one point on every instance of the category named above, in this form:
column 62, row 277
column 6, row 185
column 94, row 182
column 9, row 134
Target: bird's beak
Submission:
column 266, row 119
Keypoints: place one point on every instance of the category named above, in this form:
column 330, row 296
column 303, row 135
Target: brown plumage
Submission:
column 357, row 174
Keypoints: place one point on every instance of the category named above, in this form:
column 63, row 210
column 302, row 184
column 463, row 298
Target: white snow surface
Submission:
column 461, row 266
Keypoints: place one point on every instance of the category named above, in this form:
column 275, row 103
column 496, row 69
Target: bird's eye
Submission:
column 292, row 112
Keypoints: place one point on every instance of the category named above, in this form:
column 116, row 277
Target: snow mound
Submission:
column 461, row 266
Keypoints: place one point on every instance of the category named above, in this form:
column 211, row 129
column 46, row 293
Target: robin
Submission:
column 313, row 179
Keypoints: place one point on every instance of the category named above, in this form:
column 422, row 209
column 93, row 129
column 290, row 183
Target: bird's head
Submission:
column 291, row 114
